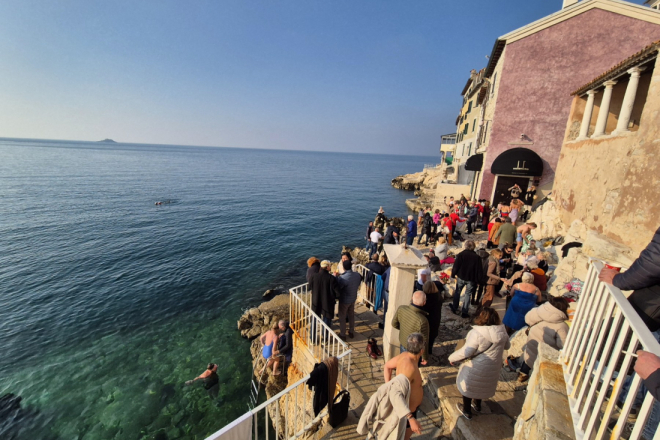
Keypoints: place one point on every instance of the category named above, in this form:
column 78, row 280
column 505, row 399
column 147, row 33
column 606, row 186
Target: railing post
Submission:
column 405, row 262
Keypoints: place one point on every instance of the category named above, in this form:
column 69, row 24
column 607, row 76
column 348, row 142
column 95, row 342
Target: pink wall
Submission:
column 541, row 71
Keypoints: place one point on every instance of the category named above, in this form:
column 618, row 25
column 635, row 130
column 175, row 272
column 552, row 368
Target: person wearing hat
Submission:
column 325, row 291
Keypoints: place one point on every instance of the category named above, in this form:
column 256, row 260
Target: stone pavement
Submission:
column 438, row 414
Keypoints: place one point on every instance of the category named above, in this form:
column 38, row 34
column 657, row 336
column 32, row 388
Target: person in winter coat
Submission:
column 473, row 213
column 391, row 234
column 492, row 240
column 410, row 319
column 547, row 323
column 412, row 231
column 643, row 277
column 485, row 216
column 433, row 307
column 325, row 291
column 492, row 277
column 468, row 272
column 427, row 228
column 506, row 233
column 484, row 347
column 441, row 249
column 349, row 284
column 313, row 266
column 481, row 285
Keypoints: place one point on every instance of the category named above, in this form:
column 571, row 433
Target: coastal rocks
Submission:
column 382, row 221
column 258, row 320
column 549, row 223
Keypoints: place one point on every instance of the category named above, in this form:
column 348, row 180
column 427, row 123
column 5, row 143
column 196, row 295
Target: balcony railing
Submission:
column 598, row 359
column 289, row 414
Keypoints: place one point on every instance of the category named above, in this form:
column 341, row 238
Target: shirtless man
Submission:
column 407, row 364
column 523, row 232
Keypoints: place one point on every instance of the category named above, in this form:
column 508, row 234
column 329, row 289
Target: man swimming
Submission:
column 211, row 380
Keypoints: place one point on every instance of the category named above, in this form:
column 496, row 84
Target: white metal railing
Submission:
column 290, row 412
column 431, row 165
column 287, row 415
column 319, row 339
column 368, row 288
column 597, row 360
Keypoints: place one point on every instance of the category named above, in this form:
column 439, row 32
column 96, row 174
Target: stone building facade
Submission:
column 608, row 172
column 533, row 70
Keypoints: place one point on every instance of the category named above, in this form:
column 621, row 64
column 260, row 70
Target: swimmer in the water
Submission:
column 210, row 378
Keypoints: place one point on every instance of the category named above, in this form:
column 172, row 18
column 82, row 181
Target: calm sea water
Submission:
column 108, row 303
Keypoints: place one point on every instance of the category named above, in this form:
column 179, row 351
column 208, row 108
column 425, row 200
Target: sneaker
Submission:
column 459, row 407
column 351, row 335
column 475, row 409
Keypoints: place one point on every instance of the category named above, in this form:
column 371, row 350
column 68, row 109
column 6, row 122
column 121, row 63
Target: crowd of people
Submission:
column 509, row 264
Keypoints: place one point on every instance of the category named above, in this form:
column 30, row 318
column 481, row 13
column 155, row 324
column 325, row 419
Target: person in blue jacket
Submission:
column 412, row 231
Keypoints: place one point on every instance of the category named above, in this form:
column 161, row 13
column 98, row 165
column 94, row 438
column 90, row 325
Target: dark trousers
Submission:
column 470, row 287
column 410, row 240
column 467, row 405
column 525, row 369
column 478, row 294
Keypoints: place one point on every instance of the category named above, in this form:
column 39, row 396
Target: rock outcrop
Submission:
column 258, row 320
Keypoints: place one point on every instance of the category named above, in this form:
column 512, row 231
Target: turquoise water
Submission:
column 109, row 303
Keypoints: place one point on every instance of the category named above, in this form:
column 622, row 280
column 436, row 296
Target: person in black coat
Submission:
column 313, row 266
column 433, row 307
column 644, row 278
column 391, row 234
column 325, row 291
column 481, row 286
column 468, row 271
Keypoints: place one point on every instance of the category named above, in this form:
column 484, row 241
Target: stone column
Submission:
column 586, row 118
column 604, row 111
column 405, row 262
column 628, row 100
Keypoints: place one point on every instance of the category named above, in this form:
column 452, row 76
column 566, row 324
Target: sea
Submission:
column 109, row 302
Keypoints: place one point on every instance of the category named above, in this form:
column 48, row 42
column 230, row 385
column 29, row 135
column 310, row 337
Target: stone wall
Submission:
column 545, row 413
column 610, row 183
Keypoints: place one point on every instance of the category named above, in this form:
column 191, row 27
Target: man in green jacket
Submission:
column 507, row 233
column 412, row 319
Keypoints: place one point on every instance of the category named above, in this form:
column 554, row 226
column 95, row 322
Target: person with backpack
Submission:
column 427, row 228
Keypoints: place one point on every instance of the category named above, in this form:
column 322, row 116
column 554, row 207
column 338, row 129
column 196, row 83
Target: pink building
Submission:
column 533, row 71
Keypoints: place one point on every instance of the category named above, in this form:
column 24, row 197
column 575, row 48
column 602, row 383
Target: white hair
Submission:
column 410, row 217
column 527, row 278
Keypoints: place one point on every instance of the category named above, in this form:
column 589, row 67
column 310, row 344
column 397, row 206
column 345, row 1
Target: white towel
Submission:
column 239, row 429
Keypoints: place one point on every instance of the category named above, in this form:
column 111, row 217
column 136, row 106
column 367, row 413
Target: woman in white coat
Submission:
column 483, row 351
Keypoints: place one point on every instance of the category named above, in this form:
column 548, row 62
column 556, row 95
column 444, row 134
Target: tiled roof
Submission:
column 648, row 53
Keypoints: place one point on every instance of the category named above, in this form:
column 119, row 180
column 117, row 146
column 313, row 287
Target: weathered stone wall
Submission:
column 540, row 72
column 611, row 184
column 545, row 413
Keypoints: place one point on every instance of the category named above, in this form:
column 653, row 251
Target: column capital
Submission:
column 592, row 92
column 609, row 84
column 636, row 71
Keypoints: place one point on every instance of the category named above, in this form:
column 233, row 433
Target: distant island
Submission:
column 110, row 141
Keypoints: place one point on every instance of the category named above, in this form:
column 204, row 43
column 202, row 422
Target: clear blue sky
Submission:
column 334, row 75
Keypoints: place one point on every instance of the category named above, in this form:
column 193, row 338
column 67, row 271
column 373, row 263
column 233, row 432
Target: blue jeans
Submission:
column 409, row 240
column 373, row 248
column 470, row 287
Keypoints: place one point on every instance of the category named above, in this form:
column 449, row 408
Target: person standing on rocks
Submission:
column 370, row 229
column 412, row 231
column 448, row 229
column 468, row 272
column 391, row 234
column 345, row 256
column 523, row 233
column 410, row 319
column 325, row 291
column 473, row 213
column 506, row 234
column 493, row 279
column 485, row 215
column 375, row 268
column 427, row 227
column 420, row 217
column 349, row 283
column 484, row 347
column 375, row 238
column 285, row 346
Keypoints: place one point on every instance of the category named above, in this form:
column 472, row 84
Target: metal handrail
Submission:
column 597, row 359
column 293, row 427
column 367, row 291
